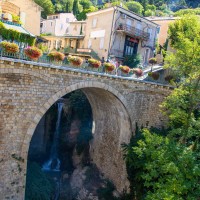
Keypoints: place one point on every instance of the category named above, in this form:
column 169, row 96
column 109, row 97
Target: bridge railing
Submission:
column 45, row 59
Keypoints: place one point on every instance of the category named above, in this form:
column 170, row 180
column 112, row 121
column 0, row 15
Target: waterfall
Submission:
column 53, row 164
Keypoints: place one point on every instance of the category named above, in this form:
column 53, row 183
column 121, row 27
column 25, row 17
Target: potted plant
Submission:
column 109, row 67
column 33, row 52
column 94, row 63
column 124, row 69
column 9, row 47
column 16, row 19
column 154, row 75
column 75, row 60
column 152, row 61
column 137, row 71
column 56, row 56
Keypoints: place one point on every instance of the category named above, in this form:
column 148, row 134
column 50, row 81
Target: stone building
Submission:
column 119, row 32
column 28, row 11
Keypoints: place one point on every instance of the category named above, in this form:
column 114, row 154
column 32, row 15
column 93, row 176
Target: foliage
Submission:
column 124, row 69
column 86, row 4
column 57, row 56
column 38, row 185
column 152, row 61
column 149, row 13
column 154, row 75
column 135, row 7
column 159, row 168
column 48, row 7
column 187, row 11
column 109, row 67
column 75, row 60
column 9, row 47
column 82, row 15
column 42, row 47
column 11, row 35
column 33, row 52
column 132, row 61
column 94, row 63
column 16, row 19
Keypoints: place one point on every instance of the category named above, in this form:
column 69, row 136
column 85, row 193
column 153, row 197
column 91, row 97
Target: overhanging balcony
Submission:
column 132, row 31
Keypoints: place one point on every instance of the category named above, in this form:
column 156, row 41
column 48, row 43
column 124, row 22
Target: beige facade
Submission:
column 119, row 32
column 28, row 11
column 69, row 42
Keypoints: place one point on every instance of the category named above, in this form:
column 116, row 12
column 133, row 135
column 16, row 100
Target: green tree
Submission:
column 135, row 7
column 82, row 15
column 47, row 6
column 77, row 8
column 85, row 4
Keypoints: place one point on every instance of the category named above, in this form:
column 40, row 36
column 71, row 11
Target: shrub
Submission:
column 94, row 63
column 132, row 61
column 168, row 78
column 9, row 47
column 137, row 71
column 75, row 60
column 109, row 67
column 57, row 56
column 33, row 52
column 124, row 69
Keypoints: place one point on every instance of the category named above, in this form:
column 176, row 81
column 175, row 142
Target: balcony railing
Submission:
column 132, row 31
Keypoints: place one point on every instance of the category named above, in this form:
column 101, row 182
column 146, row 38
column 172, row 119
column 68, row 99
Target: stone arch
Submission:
column 110, row 119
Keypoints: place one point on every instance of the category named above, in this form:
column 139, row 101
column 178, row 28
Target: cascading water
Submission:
column 53, row 164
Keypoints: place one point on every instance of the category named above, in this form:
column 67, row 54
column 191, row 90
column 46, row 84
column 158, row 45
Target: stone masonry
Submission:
column 28, row 90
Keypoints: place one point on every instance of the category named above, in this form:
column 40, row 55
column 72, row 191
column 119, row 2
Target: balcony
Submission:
column 132, row 31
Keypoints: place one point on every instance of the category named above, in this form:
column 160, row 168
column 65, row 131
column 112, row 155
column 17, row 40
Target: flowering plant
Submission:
column 75, row 60
column 109, row 67
column 9, row 47
column 33, row 52
column 94, row 63
column 124, row 69
column 57, row 56
column 137, row 71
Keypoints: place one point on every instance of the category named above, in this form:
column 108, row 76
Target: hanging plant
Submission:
column 137, row 71
column 109, row 67
column 9, row 47
column 56, row 56
column 155, row 75
column 94, row 63
column 75, row 60
column 124, row 69
column 33, row 52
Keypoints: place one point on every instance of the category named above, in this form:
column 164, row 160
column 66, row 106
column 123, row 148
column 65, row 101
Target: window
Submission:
column 61, row 26
column 101, row 43
column 94, row 22
column 89, row 43
column 149, row 32
column 67, row 20
column 51, row 23
column 139, row 26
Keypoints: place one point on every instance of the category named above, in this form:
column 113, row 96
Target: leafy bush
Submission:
column 159, row 168
column 152, row 61
column 33, row 52
column 38, row 185
column 9, row 47
column 132, row 61
column 57, row 56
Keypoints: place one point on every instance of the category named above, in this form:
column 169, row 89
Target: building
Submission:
column 164, row 23
column 28, row 11
column 119, row 32
column 57, row 24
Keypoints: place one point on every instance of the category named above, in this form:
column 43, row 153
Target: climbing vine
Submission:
column 11, row 34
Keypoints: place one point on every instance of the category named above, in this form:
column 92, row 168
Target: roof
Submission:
column 128, row 12
column 17, row 27
column 162, row 18
column 78, row 22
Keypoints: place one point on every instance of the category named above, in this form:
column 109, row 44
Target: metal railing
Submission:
column 133, row 31
column 44, row 60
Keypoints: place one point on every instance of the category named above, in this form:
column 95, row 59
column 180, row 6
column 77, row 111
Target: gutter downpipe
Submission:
column 111, row 32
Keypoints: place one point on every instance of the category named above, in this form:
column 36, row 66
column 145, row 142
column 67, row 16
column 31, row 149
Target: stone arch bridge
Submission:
column 28, row 90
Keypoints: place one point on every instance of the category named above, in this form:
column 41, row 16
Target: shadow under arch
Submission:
column 112, row 128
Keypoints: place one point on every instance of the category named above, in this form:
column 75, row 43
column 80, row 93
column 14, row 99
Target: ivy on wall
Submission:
column 11, row 34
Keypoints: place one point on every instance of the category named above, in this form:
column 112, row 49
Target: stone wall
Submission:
column 27, row 92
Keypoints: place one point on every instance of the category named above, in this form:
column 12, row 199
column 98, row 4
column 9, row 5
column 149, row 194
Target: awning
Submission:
column 18, row 28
